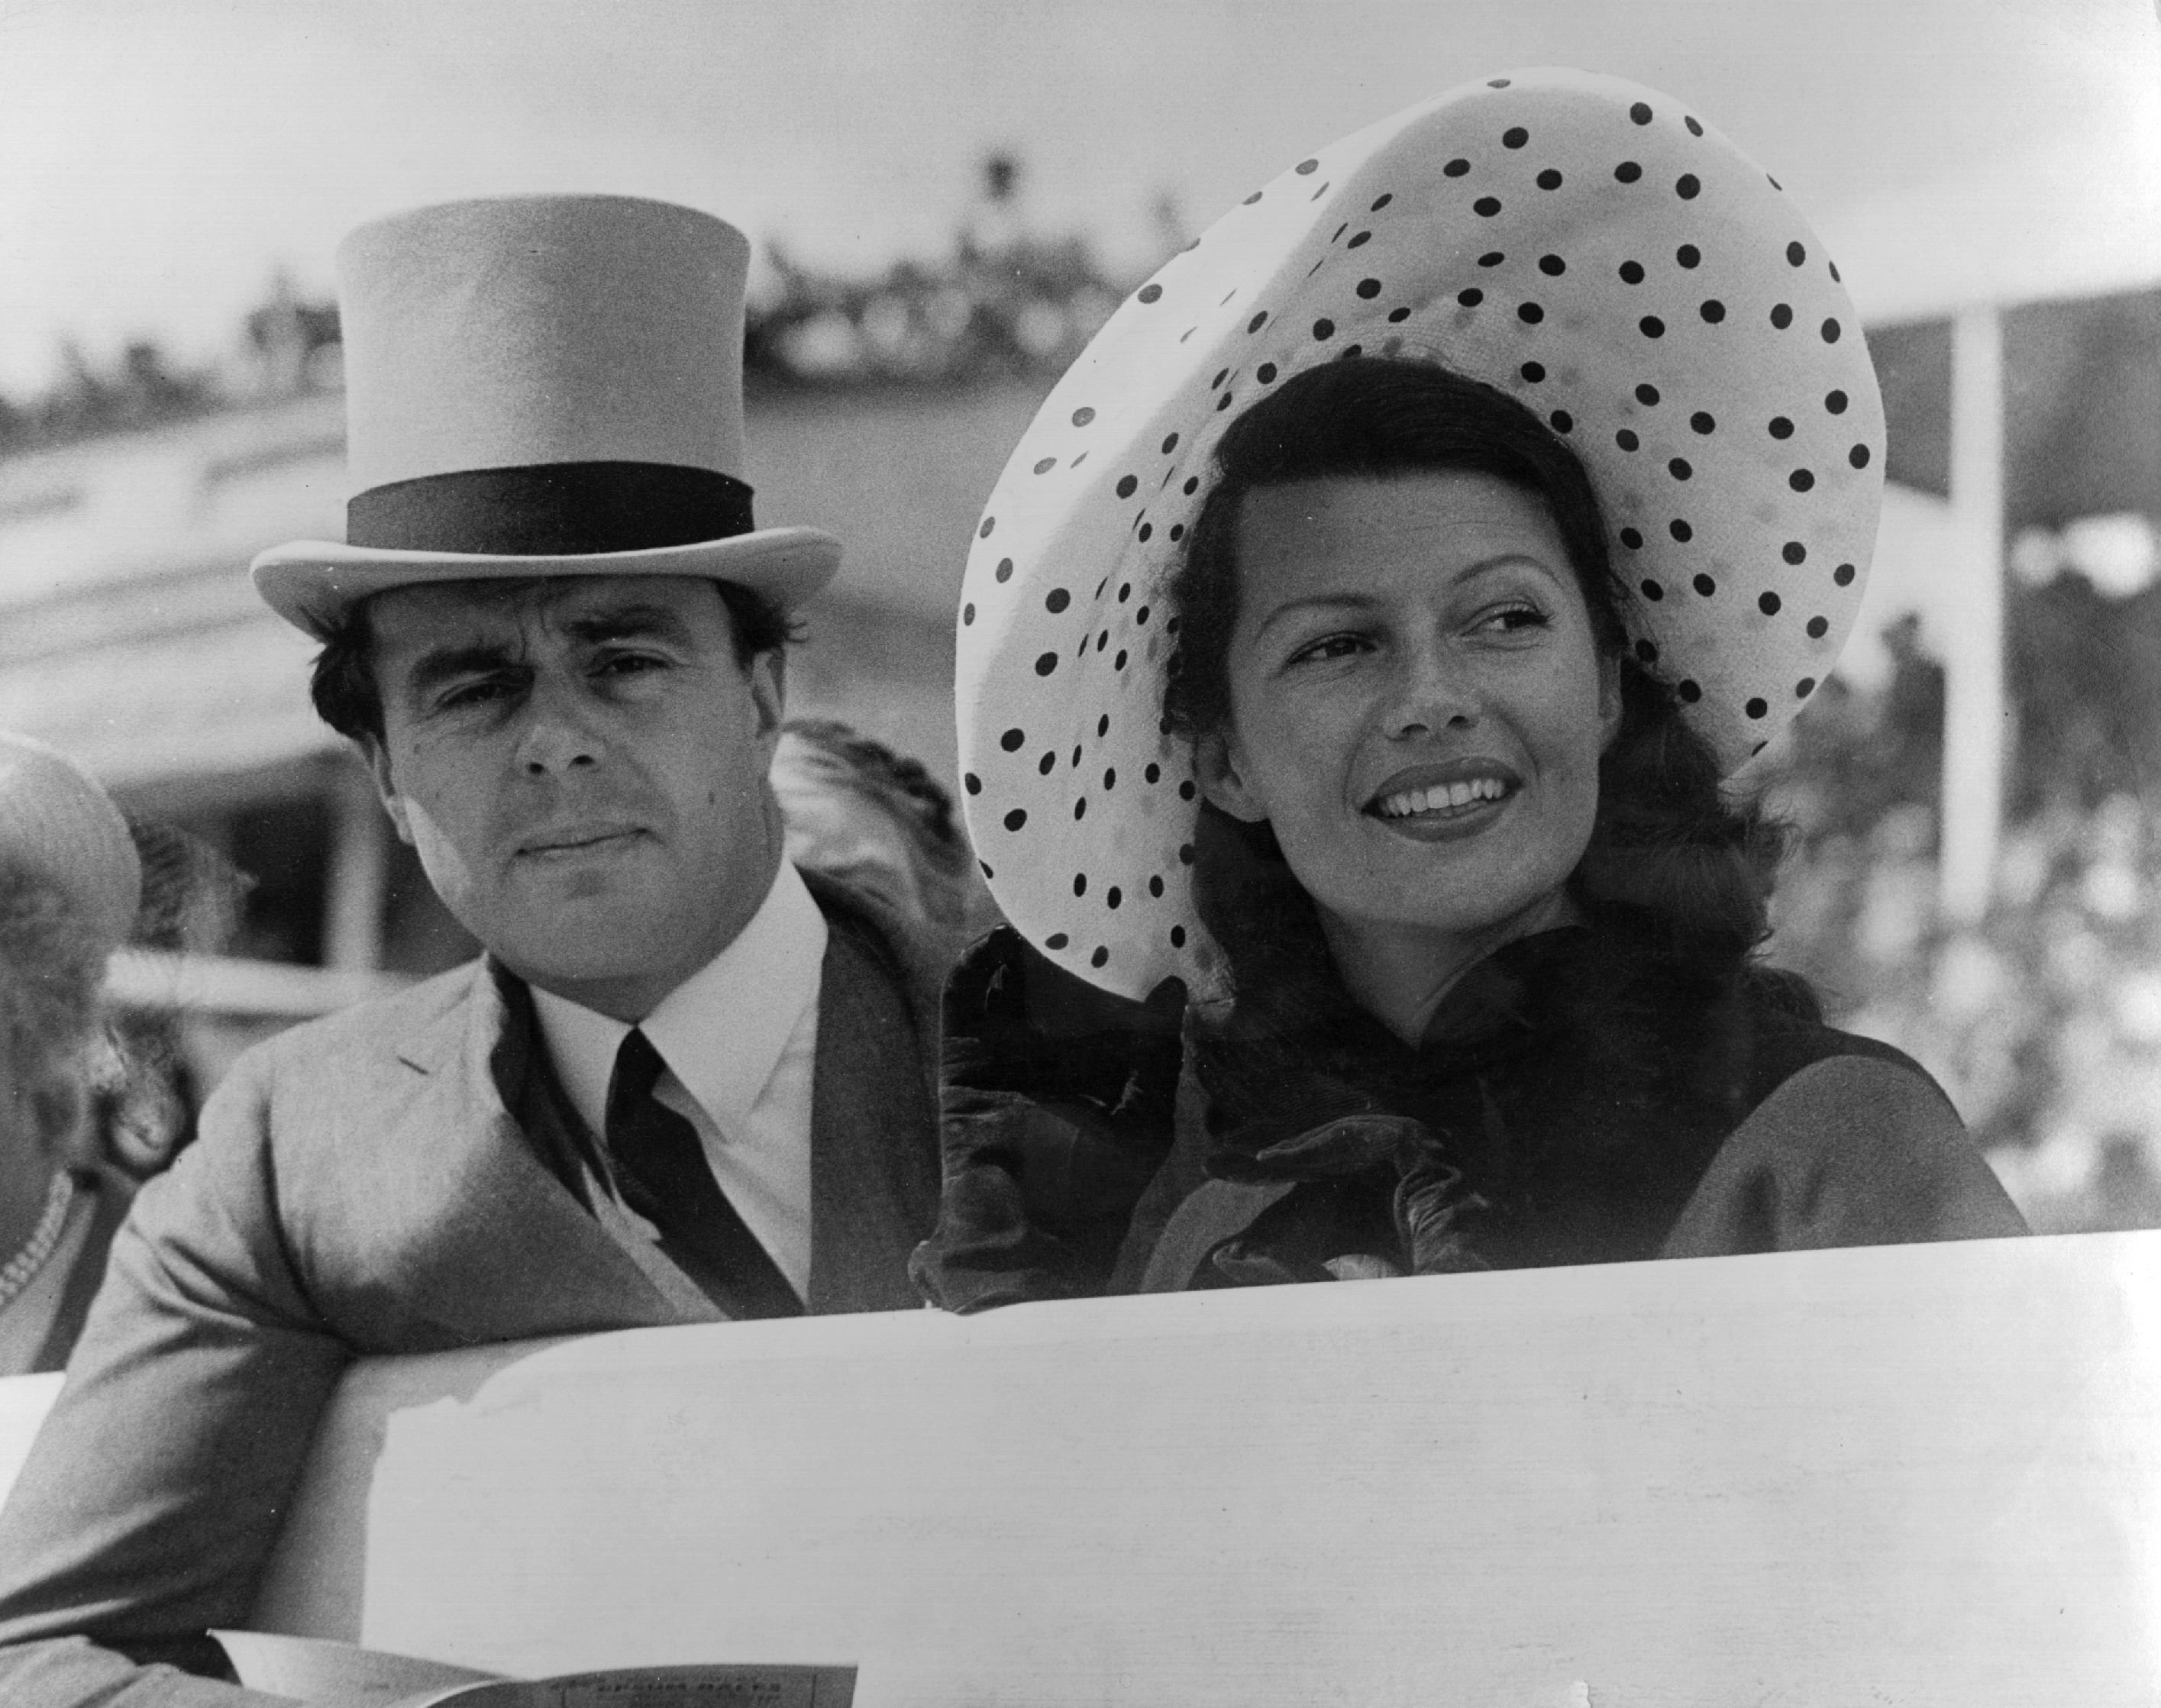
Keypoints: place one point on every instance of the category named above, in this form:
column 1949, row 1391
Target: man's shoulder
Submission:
column 316, row 1106
column 378, row 1028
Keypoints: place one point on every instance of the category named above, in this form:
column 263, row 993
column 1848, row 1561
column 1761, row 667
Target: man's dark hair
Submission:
column 1666, row 847
column 347, row 698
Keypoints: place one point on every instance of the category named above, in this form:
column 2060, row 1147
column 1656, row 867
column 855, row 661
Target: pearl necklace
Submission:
column 21, row 1269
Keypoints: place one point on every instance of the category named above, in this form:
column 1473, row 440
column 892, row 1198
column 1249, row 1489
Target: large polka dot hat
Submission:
column 1588, row 246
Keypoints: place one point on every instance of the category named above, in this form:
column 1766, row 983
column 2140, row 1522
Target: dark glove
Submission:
column 1057, row 1106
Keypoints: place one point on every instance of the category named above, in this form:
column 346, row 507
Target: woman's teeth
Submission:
column 1441, row 796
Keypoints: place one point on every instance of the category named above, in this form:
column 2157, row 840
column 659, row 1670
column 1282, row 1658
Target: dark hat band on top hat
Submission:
column 559, row 509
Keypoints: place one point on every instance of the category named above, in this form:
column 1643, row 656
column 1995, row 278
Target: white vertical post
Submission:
column 359, row 869
column 1975, row 716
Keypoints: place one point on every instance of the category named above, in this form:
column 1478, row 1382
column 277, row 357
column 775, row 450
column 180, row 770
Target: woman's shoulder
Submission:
column 1788, row 1034
column 1848, row 1141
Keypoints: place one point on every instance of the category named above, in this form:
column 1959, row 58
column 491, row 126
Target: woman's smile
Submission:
column 1440, row 802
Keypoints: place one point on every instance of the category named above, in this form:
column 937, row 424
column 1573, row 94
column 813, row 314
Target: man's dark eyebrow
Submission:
column 628, row 623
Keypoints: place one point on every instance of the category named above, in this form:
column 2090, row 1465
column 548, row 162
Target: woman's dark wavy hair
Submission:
column 1670, row 857
column 346, row 696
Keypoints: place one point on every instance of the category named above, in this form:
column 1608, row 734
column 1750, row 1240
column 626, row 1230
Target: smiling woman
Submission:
column 1457, row 959
column 1392, row 662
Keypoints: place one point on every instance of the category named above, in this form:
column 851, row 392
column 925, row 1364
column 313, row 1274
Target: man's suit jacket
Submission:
column 361, row 1187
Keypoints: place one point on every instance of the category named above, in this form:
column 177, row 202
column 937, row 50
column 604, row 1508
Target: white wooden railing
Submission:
column 1925, row 1475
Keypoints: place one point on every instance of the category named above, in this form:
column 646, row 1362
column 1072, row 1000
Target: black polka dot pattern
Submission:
column 1578, row 243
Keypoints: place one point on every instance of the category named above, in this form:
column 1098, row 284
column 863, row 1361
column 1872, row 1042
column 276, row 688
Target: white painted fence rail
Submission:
column 1928, row 1476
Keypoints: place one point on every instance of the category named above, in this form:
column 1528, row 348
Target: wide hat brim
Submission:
column 1586, row 245
column 314, row 583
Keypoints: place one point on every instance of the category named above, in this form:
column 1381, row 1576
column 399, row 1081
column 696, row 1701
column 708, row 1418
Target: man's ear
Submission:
column 768, row 672
column 377, row 758
column 1222, row 780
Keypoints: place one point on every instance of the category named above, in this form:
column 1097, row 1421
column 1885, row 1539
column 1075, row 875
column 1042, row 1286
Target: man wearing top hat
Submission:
column 683, row 1084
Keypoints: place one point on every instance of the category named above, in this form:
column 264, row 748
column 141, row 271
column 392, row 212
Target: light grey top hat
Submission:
column 56, row 821
column 541, row 386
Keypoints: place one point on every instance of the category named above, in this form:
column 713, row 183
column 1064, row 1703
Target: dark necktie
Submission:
column 664, row 1177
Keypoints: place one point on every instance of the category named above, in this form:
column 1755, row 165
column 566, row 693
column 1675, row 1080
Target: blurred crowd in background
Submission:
column 1006, row 304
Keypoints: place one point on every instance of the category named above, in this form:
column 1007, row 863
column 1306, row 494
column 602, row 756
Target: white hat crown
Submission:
column 535, row 330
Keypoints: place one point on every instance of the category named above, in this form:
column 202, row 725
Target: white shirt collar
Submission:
column 723, row 1030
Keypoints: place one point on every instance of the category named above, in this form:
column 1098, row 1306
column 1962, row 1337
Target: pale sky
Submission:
column 159, row 157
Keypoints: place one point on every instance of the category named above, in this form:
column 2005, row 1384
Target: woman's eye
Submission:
column 1509, row 619
column 1330, row 646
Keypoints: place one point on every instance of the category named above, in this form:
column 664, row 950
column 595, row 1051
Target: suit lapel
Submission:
column 874, row 1164
column 514, row 1254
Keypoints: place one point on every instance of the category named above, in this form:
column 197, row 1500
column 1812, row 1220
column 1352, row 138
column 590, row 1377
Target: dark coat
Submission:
column 1578, row 1097
column 363, row 1187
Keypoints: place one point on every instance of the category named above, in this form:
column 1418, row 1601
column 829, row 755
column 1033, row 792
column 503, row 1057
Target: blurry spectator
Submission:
column 192, row 895
column 857, row 811
column 70, row 880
